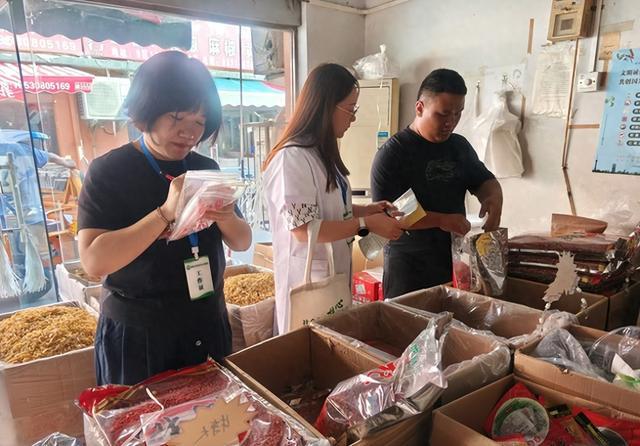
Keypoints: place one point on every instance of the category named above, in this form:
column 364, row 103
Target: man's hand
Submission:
column 490, row 197
column 493, row 207
column 454, row 223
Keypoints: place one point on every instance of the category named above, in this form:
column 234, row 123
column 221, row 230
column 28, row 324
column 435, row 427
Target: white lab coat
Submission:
column 297, row 175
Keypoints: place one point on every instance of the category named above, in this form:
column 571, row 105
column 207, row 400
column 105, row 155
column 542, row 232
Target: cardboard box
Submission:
column 508, row 320
column 461, row 422
column 366, row 287
column 624, row 306
column 272, row 367
column 530, row 293
column 385, row 330
column 549, row 375
column 37, row 397
column 250, row 324
column 263, row 255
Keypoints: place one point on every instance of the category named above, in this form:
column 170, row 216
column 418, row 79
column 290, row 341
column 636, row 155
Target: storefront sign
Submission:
column 619, row 142
column 40, row 44
column 45, row 79
column 112, row 50
column 215, row 44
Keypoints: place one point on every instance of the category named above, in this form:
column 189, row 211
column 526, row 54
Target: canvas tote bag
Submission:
column 312, row 300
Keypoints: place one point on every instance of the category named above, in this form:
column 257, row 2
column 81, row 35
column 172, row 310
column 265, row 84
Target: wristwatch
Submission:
column 363, row 231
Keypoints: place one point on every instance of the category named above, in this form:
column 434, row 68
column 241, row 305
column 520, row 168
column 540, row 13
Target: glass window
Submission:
column 26, row 275
column 77, row 60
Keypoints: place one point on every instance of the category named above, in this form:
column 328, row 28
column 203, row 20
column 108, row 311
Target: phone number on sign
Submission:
column 39, row 85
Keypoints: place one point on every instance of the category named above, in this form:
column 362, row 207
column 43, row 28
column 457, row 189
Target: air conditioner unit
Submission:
column 105, row 100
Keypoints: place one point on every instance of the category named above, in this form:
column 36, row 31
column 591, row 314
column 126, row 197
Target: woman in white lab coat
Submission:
column 305, row 179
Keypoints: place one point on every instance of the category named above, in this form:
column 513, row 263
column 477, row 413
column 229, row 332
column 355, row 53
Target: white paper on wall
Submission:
column 552, row 80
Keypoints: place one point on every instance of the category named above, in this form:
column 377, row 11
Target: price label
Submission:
column 217, row 425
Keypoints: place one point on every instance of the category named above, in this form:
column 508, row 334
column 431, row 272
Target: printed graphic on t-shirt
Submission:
column 441, row 170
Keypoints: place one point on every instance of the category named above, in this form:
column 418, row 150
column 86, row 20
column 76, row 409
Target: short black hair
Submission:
column 442, row 80
column 171, row 81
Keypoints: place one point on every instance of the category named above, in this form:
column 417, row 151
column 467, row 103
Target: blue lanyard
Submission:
column 193, row 237
column 343, row 187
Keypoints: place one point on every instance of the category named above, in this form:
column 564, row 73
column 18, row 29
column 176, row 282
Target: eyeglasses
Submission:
column 351, row 112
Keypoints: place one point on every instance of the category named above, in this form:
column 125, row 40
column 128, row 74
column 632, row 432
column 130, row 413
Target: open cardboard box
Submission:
column 250, row 324
column 273, row 366
column 508, row 320
column 552, row 376
column 530, row 293
column 384, row 330
column 37, row 397
column 461, row 422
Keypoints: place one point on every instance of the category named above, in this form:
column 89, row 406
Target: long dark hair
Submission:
column 311, row 125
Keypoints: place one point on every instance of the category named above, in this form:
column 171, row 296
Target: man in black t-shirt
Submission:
column 439, row 166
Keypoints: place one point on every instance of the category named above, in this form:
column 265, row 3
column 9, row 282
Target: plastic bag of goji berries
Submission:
column 203, row 191
column 152, row 412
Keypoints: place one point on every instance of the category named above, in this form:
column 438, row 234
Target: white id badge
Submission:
column 199, row 277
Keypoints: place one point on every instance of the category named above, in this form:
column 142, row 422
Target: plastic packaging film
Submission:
column 374, row 400
column 202, row 191
column 480, row 261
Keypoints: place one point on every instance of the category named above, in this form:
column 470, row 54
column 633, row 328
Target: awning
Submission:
column 254, row 93
column 98, row 23
column 42, row 79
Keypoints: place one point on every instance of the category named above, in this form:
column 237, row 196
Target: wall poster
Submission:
column 619, row 143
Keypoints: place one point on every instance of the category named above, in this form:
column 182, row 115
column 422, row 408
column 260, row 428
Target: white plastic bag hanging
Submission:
column 203, row 190
column 495, row 138
column 375, row 66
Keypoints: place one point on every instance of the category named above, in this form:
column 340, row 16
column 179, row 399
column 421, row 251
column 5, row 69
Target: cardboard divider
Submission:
column 250, row 324
column 273, row 366
column 37, row 397
column 599, row 391
column 530, row 294
column 624, row 306
column 470, row 361
column 386, row 329
column 504, row 319
column 461, row 422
